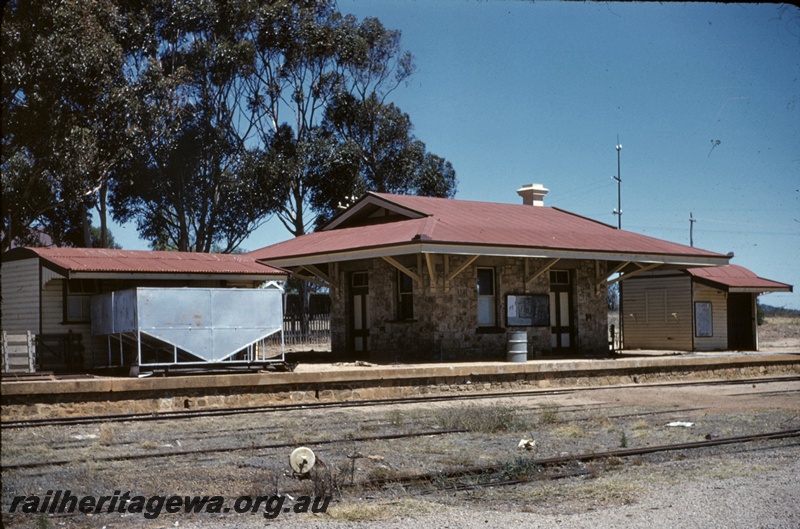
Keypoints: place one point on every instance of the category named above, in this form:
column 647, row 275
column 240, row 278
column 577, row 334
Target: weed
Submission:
column 570, row 430
column 382, row 472
column 641, row 424
column 107, row 434
column 264, row 484
column 370, row 427
column 43, row 522
column 623, row 440
column 485, row 419
column 549, row 414
column 601, row 421
column 612, row 462
column 370, row 512
column 325, row 482
column 357, row 512
column 396, row 417
column 521, row 468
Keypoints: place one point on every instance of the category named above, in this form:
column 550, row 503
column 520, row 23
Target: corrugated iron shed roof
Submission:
column 465, row 223
column 735, row 277
column 145, row 262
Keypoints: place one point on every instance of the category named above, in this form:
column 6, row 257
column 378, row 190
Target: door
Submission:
column 358, row 317
column 741, row 322
column 561, row 326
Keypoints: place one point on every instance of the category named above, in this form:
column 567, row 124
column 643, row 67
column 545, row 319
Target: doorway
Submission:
column 741, row 322
column 561, row 323
column 358, row 313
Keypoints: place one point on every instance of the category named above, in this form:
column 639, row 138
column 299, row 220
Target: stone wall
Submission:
column 438, row 381
column 445, row 325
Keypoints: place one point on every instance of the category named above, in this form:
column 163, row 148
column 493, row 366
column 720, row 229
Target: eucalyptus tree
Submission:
column 385, row 156
column 64, row 102
column 194, row 184
column 313, row 66
column 198, row 119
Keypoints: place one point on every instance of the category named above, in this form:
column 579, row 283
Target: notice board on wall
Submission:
column 703, row 319
column 528, row 310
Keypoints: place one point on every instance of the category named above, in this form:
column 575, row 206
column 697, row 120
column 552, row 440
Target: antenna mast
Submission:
column 618, row 211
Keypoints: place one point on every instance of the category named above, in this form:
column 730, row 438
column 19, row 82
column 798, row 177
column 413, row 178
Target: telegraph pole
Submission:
column 692, row 220
column 618, row 211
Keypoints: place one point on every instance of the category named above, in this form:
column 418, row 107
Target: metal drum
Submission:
column 517, row 346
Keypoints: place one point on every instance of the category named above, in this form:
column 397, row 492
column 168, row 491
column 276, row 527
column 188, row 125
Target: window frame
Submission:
column 492, row 296
column 404, row 296
column 79, row 290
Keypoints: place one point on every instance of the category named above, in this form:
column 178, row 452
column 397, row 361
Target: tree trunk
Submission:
column 87, row 227
column 104, row 215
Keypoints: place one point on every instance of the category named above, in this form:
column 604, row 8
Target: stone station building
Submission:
column 419, row 278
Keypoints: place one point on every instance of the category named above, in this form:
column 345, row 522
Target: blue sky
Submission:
column 514, row 92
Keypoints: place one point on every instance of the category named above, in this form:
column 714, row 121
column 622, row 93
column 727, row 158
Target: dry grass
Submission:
column 573, row 430
column 376, row 511
column 489, row 418
column 603, row 492
column 548, row 413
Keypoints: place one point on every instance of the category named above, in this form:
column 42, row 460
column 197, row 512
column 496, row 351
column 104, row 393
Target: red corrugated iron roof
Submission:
column 470, row 223
column 143, row 261
column 735, row 276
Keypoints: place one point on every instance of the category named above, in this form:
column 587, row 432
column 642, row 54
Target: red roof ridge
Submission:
column 426, row 233
column 580, row 216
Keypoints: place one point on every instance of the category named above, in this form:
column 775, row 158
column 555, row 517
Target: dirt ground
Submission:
column 656, row 488
column 569, row 422
column 779, row 334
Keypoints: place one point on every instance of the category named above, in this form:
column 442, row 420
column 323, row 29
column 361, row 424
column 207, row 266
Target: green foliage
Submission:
column 521, row 468
column 548, row 414
column 382, row 155
column 198, row 119
column 63, row 114
column 43, row 522
column 97, row 236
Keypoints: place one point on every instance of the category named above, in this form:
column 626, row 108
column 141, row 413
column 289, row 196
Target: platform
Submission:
column 313, row 382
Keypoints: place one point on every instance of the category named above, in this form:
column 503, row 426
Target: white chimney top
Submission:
column 533, row 194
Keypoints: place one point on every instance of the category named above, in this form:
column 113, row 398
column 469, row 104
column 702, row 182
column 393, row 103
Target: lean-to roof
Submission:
column 735, row 278
column 71, row 261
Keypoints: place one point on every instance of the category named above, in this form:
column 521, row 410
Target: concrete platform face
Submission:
column 363, row 381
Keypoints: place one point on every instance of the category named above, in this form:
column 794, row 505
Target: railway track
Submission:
column 555, row 462
column 217, row 412
column 206, row 451
column 372, row 453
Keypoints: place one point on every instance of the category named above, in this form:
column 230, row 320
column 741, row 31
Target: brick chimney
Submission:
column 533, row 194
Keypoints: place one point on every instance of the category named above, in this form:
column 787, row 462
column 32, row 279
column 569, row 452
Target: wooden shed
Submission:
column 698, row 309
column 48, row 292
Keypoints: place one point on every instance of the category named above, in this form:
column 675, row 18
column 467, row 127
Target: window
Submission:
column 703, row 320
column 486, row 298
column 405, row 297
column 360, row 279
column 78, row 299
